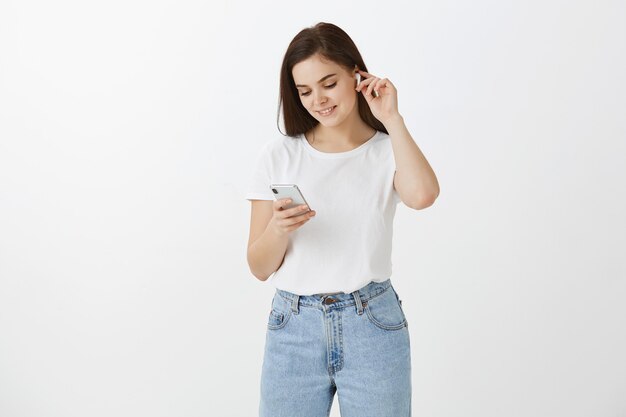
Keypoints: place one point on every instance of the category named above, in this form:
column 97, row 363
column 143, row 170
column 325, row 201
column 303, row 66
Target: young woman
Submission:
column 336, row 323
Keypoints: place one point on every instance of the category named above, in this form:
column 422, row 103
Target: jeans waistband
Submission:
column 337, row 299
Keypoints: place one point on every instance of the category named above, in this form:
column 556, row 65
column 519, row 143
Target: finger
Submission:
column 373, row 78
column 371, row 86
column 368, row 79
column 281, row 203
column 305, row 216
column 387, row 85
column 295, row 210
column 364, row 83
column 380, row 84
column 294, row 226
column 388, row 82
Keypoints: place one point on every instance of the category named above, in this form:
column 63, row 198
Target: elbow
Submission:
column 260, row 266
column 257, row 274
column 424, row 202
column 261, row 277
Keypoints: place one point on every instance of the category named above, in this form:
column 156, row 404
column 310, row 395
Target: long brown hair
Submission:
column 332, row 43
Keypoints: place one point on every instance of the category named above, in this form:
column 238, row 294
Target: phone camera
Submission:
column 274, row 191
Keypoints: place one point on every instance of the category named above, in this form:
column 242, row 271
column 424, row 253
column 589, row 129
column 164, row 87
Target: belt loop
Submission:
column 359, row 305
column 294, row 304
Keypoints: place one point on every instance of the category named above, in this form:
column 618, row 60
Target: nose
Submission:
column 320, row 99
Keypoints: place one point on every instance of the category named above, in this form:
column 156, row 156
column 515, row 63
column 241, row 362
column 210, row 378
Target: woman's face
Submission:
column 318, row 91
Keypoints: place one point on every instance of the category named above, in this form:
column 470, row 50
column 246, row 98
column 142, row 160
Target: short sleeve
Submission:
column 394, row 193
column 258, row 186
column 396, row 197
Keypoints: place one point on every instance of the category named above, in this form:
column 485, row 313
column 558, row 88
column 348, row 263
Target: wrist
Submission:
column 393, row 120
column 275, row 230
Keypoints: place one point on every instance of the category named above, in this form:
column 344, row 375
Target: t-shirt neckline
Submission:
column 344, row 154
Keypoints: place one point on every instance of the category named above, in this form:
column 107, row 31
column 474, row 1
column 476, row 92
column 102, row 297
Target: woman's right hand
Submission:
column 285, row 221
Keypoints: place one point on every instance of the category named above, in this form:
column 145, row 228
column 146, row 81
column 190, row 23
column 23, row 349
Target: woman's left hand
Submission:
column 385, row 106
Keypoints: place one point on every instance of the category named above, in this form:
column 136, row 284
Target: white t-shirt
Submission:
column 347, row 243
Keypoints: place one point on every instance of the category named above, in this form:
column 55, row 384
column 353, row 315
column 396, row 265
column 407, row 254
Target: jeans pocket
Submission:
column 385, row 312
column 401, row 308
column 279, row 314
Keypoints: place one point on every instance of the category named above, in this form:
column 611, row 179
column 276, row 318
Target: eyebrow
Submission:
column 321, row 79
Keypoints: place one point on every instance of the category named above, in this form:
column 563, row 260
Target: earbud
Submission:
column 358, row 81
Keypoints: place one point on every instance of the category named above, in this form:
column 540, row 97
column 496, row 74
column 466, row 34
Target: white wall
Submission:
column 127, row 133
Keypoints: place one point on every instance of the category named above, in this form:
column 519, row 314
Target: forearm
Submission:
column 414, row 174
column 266, row 254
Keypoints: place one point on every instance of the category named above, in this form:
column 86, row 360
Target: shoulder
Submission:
column 281, row 144
column 383, row 137
column 382, row 143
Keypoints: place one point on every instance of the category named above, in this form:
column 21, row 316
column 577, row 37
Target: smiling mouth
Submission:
column 327, row 112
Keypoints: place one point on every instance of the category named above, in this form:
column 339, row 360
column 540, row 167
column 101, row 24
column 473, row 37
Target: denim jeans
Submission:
column 356, row 345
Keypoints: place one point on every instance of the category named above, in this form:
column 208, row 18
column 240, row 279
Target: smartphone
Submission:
column 289, row 191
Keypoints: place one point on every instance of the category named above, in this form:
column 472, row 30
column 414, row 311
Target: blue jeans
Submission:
column 354, row 344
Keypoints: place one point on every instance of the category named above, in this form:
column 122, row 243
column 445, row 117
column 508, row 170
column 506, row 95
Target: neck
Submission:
column 348, row 133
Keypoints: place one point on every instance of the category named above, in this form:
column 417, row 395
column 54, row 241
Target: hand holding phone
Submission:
column 290, row 210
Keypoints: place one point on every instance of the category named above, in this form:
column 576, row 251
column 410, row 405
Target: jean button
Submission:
column 329, row 300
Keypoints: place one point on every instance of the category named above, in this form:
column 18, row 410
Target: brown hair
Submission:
column 332, row 43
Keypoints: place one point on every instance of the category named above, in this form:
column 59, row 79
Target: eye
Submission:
column 327, row 86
